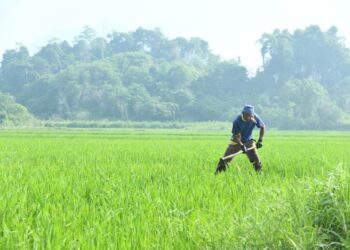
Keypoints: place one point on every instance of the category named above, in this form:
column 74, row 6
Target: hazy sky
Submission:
column 231, row 27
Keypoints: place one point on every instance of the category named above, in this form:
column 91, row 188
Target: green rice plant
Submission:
column 156, row 189
column 329, row 209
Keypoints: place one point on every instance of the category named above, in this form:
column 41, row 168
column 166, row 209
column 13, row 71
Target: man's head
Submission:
column 248, row 112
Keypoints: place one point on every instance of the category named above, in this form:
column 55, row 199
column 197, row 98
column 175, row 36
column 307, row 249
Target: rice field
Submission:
column 156, row 189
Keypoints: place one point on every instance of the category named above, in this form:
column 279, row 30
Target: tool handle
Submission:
column 232, row 155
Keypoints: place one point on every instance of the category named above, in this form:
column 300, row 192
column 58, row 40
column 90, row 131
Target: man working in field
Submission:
column 242, row 139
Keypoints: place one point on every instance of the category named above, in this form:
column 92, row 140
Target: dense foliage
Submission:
column 304, row 81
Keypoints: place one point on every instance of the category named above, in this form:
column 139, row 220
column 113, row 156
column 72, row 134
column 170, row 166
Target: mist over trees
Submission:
column 304, row 82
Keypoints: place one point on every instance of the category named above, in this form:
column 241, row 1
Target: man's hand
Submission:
column 244, row 149
column 259, row 144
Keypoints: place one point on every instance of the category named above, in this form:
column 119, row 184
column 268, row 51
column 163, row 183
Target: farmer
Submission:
column 242, row 138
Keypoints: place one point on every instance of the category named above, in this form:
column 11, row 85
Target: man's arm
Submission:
column 236, row 135
column 261, row 133
column 237, row 139
column 261, row 136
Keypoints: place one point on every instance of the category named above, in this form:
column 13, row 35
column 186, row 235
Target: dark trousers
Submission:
column 252, row 154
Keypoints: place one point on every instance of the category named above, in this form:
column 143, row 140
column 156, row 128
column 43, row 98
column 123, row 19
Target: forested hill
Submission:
column 304, row 82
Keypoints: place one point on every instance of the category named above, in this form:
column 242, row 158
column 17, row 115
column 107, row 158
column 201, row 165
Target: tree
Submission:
column 180, row 75
column 82, row 44
column 53, row 58
column 87, row 35
column 340, row 92
column 121, row 42
column 148, row 40
column 39, row 98
column 17, row 70
column 278, row 55
column 309, row 53
column 321, row 55
column 226, row 80
column 98, row 48
column 12, row 113
column 308, row 104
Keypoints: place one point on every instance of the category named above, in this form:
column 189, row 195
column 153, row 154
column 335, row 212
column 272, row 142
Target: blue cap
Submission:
column 248, row 109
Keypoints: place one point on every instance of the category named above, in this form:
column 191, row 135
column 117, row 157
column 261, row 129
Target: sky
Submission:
column 232, row 28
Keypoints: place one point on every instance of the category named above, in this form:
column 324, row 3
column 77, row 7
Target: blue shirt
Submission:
column 245, row 128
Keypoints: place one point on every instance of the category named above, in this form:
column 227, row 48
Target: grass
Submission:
column 146, row 189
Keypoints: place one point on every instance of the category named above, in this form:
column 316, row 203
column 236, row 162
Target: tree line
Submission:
column 304, row 82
